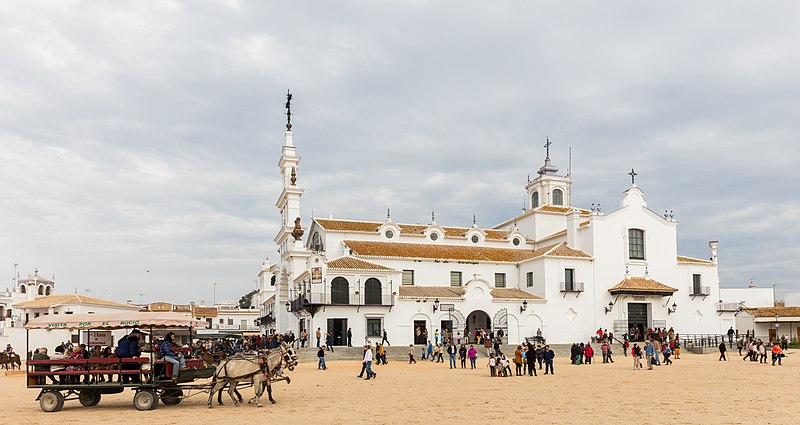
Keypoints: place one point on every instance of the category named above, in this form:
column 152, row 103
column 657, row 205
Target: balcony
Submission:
column 728, row 307
column 699, row 291
column 576, row 287
column 311, row 302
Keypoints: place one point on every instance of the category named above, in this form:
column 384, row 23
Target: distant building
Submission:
column 555, row 267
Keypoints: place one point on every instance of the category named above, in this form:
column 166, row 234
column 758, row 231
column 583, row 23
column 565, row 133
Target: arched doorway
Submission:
column 372, row 291
column 478, row 319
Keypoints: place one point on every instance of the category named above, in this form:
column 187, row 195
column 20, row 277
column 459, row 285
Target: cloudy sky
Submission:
column 140, row 139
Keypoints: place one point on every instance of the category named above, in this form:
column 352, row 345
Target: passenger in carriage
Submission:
column 129, row 347
column 166, row 352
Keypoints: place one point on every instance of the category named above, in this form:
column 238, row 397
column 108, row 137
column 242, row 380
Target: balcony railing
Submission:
column 571, row 287
column 700, row 290
column 319, row 299
column 728, row 306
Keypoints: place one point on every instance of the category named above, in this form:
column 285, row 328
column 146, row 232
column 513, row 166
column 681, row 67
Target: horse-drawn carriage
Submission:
column 150, row 379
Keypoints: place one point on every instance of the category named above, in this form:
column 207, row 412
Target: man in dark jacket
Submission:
column 548, row 356
column 129, row 347
column 531, row 359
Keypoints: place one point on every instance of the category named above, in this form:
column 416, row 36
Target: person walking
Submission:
column 321, row 354
column 667, row 354
column 319, row 335
column 349, row 337
column 636, row 353
column 657, row 351
column 649, row 351
column 430, row 351
column 548, row 355
column 604, row 350
column 411, row 354
column 677, row 348
column 368, row 363
column 731, row 334
column 722, row 350
column 329, row 341
column 385, row 339
column 472, row 353
column 777, row 354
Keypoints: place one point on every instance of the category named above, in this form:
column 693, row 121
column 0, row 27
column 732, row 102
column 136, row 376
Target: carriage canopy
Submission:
column 116, row 321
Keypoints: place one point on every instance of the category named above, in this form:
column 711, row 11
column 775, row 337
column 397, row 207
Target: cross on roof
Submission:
column 633, row 175
column 547, row 146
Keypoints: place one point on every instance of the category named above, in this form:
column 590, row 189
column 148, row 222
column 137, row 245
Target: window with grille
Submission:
column 697, row 284
column 499, row 280
column 408, row 277
column 569, row 279
column 535, row 199
column 558, row 197
column 455, row 278
column 636, row 244
column 374, row 327
column 529, row 279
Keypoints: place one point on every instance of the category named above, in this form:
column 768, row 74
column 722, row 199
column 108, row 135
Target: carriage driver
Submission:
column 166, row 352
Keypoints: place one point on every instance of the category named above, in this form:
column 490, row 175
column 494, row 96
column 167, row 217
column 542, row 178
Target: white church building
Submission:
column 565, row 270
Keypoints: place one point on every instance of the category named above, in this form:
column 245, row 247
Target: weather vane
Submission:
column 288, row 110
column 633, row 175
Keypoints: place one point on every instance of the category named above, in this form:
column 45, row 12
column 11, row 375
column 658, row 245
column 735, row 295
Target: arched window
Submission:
column 372, row 291
column 22, row 289
column 558, row 197
column 41, row 289
column 636, row 244
column 47, row 290
column 340, row 291
column 316, row 242
column 535, row 199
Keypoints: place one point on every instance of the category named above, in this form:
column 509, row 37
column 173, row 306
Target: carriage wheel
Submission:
column 51, row 401
column 145, row 400
column 89, row 398
column 170, row 397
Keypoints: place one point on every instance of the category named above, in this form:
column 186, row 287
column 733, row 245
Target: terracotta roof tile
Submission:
column 772, row 311
column 458, row 252
column 55, row 300
column 513, row 294
column 405, row 229
column 640, row 285
column 560, row 209
column 445, row 292
column 350, row 263
column 682, row 259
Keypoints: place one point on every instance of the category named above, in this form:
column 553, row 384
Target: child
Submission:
column 411, row 354
column 423, row 353
column 492, row 363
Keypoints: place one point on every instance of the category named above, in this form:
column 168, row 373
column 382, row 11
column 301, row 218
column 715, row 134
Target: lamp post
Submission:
column 215, row 294
column 524, row 306
column 435, row 305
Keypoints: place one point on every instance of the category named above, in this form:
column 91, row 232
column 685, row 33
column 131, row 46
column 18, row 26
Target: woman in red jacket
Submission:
column 588, row 353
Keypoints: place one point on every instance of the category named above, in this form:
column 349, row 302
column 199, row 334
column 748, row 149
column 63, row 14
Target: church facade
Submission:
column 565, row 270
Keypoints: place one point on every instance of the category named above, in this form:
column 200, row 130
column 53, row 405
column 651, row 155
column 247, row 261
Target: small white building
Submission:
column 565, row 270
column 228, row 317
column 769, row 323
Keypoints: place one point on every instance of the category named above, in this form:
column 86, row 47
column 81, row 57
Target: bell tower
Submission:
column 549, row 188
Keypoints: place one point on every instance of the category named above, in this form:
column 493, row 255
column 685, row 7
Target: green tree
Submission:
column 247, row 299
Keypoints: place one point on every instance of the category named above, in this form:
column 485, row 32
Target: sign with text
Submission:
column 205, row 312
column 101, row 338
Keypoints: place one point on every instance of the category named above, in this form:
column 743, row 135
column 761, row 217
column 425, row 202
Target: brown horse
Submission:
column 13, row 359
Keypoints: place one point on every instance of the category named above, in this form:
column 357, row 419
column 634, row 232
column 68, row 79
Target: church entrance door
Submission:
column 477, row 320
column 638, row 314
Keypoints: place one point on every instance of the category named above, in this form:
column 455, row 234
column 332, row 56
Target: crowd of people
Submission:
column 756, row 349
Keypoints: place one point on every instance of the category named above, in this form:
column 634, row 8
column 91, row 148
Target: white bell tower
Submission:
column 549, row 188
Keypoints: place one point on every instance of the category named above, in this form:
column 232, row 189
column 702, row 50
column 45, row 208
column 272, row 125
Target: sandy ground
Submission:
column 697, row 389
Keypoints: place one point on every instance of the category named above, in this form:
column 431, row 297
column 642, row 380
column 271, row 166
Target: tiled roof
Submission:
column 772, row 311
column 513, row 294
column 640, row 285
column 682, row 259
column 445, row 292
column 405, row 229
column 458, row 252
column 55, row 300
column 559, row 209
column 350, row 263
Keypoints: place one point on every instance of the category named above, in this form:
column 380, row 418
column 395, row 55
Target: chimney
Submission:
column 713, row 245
column 573, row 222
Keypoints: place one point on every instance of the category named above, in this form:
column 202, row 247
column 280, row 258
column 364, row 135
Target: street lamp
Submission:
column 610, row 307
column 435, row 305
column 524, row 306
column 288, row 306
column 672, row 310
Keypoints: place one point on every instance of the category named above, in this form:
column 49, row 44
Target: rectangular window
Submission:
column 221, row 321
column 374, row 327
column 408, row 277
column 243, row 325
column 569, row 279
column 230, row 321
column 697, row 284
column 455, row 278
column 636, row 244
column 529, row 279
column 499, row 280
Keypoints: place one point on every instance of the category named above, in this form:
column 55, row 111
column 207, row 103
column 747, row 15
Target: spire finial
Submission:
column 288, row 110
column 547, row 145
column 633, row 175
column 433, row 216
column 474, row 220
column 388, row 214
column 294, row 176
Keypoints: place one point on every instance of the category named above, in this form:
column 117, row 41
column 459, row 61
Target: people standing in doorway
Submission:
column 472, row 353
column 349, row 337
column 548, row 356
column 722, row 350
column 319, row 335
column 385, row 339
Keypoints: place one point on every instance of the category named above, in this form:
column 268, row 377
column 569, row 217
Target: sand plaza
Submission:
column 696, row 389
